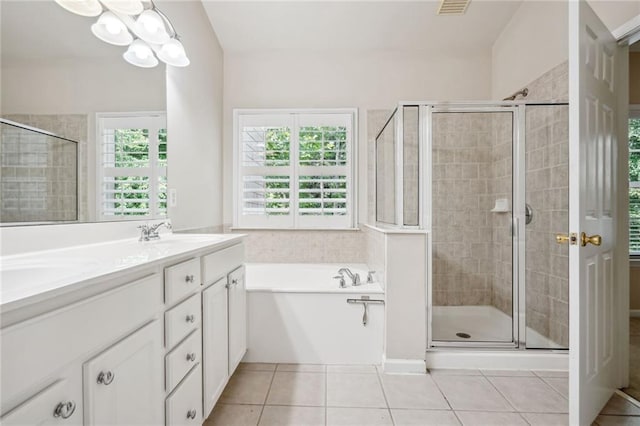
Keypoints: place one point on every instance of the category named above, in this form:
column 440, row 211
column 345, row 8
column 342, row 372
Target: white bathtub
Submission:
column 298, row 314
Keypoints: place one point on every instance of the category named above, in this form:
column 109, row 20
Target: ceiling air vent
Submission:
column 453, row 7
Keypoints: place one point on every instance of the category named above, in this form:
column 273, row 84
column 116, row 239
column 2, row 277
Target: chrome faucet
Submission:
column 355, row 278
column 150, row 232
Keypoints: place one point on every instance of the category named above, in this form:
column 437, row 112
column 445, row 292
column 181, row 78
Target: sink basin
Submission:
column 24, row 271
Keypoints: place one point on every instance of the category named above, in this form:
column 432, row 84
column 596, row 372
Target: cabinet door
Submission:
column 124, row 384
column 237, row 318
column 215, row 343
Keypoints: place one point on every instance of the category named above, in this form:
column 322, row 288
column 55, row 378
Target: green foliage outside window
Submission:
column 131, row 193
column 318, row 146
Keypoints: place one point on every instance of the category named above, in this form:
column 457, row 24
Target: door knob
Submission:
column 567, row 238
column 596, row 240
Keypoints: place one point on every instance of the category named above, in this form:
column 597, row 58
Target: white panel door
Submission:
column 593, row 59
column 215, row 344
column 237, row 318
column 124, row 385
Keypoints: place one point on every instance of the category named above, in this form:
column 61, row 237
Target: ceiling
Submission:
column 43, row 30
column 354, row 24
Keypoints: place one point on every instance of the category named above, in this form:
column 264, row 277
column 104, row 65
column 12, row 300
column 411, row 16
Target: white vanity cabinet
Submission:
column 224, row 320
column 151, row 345
column 237, row 318
column 122, row 385
column 215, row 348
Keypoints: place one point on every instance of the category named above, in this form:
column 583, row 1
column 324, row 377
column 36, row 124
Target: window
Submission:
column 132, row 166
column 634, row 180
column 294, row 169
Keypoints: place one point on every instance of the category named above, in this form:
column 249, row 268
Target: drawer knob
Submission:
column 191, row 414
column 191, row 356
column 234, row 281
column 64, row 409
column 105, row 378
column 189, row 278
column 191, row 318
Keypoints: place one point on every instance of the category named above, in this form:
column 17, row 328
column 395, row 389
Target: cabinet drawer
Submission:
column 60, row 403
column 182, row 358
column 181, row 279
column 181, row 320
column 217, row 265
column 184, row 405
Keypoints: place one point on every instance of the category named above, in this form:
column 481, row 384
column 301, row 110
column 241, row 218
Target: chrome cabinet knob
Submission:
column 189, row 278
column 106, row 377
column 191, row 318
column 234, row 281
column 64, row 409
column 191, row 414
column 191, row 356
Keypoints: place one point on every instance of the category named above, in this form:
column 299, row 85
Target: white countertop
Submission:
column 35, row 277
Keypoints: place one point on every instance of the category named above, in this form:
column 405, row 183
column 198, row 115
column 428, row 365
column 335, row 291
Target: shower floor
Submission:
column 482, row 324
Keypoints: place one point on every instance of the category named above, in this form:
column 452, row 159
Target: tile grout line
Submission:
column 553, row 387
column 503, row 396
column 326, row 396
column 384, row 395
column 264, row 403
column 443, row 394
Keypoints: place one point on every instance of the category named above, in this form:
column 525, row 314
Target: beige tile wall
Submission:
column 303, row 246
column 546, row 263
column 501, row 187
column 60, row 202
column 463, row 256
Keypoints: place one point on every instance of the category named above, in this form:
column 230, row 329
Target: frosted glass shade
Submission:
column 151, row 28
column 126, row 7
column 140, row 54
column 172, row 53
column 111, row 30
column 82, row 7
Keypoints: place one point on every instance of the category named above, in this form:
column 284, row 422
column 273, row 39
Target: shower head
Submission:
column 524, row 92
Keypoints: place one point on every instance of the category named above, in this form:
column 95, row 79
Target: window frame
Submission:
column 136, row 118
column 634, row 113
column 295, row 221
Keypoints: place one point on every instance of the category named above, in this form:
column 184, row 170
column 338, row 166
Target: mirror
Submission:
column 58, row 77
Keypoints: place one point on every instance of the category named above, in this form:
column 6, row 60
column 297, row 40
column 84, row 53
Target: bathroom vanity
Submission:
column 123, row 332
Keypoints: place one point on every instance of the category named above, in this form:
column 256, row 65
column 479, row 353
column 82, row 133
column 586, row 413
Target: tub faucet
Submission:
column 355, row 278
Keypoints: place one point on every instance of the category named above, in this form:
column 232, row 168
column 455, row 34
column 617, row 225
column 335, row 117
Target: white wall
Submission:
column 362, row 79
column 194, row 114
column 533, row 42
column 536, row 40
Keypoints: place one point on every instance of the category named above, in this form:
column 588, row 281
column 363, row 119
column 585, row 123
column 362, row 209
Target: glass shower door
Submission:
column 471, row 221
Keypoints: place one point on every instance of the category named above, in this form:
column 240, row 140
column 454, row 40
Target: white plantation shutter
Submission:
column 132, row 172
column 294, row 169
column 634, row 183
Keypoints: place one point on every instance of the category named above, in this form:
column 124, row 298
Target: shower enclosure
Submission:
column 489, row 182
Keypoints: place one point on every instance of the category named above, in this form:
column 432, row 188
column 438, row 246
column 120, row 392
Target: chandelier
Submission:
column 134, row 23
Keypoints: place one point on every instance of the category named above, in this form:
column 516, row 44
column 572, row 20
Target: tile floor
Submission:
column 309, row 395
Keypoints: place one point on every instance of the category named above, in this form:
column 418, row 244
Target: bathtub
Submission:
column 298, row 314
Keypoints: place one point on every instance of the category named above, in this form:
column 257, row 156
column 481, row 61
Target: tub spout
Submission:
column 355, row 278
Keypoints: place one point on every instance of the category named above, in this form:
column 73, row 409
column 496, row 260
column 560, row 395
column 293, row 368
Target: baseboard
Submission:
column 498, row 360
column 634, row 313
column 404, row 366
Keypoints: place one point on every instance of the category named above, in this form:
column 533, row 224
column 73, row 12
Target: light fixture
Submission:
column 125, row 7
column 140, row 54
column 82, row 7
column 172, row 53
column 111, row 30
column 148, row 32
column 151, row 28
